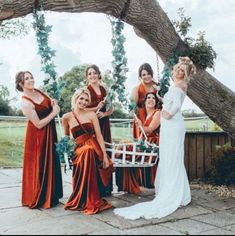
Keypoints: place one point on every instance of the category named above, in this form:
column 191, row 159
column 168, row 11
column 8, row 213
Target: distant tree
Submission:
column 13, row 28
column 5, row 109
column 119, row 112
column 192, row 113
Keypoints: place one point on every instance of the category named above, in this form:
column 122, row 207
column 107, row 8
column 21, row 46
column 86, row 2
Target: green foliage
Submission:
column 183, row 24
column 42, row 33
column 13, row 28
column 119, row 112
column 147, row 147
column 201, row 51
column 119, row 63
column 5, row 109
column 65, row 145
column 166, row 74
column 223, row 166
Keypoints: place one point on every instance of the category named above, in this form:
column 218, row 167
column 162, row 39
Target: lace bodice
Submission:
column 173, row 100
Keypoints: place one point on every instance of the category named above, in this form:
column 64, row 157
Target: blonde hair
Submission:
column 77, row 94
column 189, row 68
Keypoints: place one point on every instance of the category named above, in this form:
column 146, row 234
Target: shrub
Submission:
column 223, row 166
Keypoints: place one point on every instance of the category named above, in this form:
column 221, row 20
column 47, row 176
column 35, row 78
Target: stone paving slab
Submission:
column 219, row 219
column 206, row 214
column 218, row 231
column 188, row 226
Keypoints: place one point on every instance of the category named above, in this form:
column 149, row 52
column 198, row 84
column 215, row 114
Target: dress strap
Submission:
column 29, row 99
column 79, row 122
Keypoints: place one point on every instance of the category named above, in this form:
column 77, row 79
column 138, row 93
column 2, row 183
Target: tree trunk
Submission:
column 152, row 24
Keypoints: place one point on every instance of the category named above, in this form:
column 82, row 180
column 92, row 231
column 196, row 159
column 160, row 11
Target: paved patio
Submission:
column 207, row 214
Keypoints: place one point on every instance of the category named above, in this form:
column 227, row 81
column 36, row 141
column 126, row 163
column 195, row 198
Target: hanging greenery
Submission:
column 119, row 63
column 65, row 146
column 52, row 87
column 166, row 74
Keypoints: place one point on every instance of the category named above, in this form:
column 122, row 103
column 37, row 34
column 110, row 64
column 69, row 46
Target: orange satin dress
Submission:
column 42, row 180
column 129, row 179
column 148, row 174
column 88, row 181
column 104, row 123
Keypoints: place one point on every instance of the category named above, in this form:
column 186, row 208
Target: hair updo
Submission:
column 19, row 80
column 189, row 68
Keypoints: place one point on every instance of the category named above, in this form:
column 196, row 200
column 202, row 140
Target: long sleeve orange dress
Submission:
column 42, row 180
column 104, row 123
column 89, row 178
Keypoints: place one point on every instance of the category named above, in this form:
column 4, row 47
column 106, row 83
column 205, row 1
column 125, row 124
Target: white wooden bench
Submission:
column 122, row 157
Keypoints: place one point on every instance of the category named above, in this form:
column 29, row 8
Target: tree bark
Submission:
column 152, row 24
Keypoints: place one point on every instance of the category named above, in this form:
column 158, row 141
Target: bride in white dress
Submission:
column 171, row 183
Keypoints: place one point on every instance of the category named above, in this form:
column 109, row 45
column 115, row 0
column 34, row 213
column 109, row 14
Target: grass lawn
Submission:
column 12, row 138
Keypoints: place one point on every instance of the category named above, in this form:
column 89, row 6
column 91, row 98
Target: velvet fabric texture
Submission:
column 90, row 180
column 104, row 123
column 42, row 180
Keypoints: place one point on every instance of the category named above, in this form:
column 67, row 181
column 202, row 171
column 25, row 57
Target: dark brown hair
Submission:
column 146, row 67
column 96, row 68
column 155, row 97
column 19, row 80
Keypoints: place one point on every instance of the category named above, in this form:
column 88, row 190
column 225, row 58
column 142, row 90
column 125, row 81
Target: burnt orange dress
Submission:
column 148, row 174
column 89, row 179
column 129, row 179
column 42, row 180
column 104, row 123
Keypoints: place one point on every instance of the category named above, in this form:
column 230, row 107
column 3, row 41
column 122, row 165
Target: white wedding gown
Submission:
column 171, row 183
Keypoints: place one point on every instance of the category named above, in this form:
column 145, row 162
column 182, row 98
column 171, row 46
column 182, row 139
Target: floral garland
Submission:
column 52, row 87
column 119, row 63
column 166, row 74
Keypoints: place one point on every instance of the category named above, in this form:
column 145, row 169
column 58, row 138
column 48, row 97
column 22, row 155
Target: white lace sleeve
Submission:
column 176, row 103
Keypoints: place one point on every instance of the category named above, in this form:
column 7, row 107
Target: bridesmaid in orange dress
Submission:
column 151, row 128
column 135, row 177
column 98, row 93
column 42, row 180
column 92, row 169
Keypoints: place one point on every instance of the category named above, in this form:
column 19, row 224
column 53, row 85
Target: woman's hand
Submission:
column 100, row 105
column 138, row 122
column 55, row 107
column 105, row 162
column 166, row 115
column 101, row 114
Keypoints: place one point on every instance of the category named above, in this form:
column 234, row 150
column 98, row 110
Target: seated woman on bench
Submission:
column 92, row 169
column 127, row 178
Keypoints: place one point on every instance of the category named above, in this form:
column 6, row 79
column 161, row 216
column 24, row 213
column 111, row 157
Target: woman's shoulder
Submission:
column 67, row 115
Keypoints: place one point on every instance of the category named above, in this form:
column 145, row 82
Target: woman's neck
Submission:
column 30, row 92
column 95, row 85
column 78, row 111
column 149, row 111
column 179, row 80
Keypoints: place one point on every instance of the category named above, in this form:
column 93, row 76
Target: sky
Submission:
column 80, row 38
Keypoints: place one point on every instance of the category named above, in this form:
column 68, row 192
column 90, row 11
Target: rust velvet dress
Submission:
column 42, row 180
column 129, row 179
column 104, row 123
column 89, row 180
